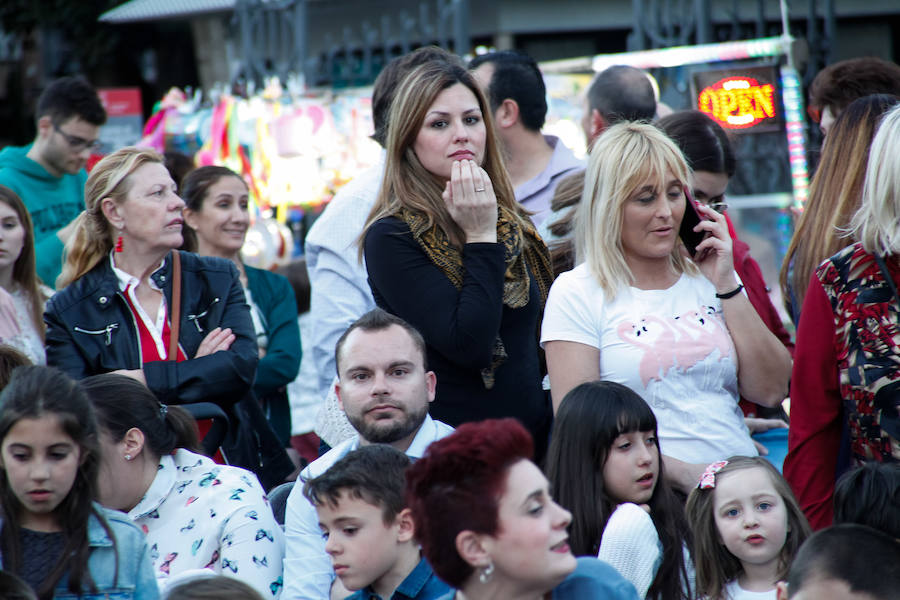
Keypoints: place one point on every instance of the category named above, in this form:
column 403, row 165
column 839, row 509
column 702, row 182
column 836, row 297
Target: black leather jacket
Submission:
column 91, row 330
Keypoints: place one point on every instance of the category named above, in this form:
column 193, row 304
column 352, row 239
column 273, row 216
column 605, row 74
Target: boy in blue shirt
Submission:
column 368, row 530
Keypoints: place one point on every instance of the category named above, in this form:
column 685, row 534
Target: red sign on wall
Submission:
column 740, row 99
column 124, row 122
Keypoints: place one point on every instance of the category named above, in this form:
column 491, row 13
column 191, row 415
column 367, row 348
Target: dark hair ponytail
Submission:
column 122, row 403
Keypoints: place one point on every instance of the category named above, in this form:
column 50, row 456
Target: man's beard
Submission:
column 388, row 431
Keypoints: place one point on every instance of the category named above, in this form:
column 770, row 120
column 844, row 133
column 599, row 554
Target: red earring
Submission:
column 119, row 244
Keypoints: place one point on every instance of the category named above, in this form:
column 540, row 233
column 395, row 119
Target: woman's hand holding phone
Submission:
column 689, row 235
column 713, row 253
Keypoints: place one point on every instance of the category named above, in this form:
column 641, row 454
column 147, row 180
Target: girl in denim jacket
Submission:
column 52, row 535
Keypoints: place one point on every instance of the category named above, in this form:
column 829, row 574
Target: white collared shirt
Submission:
column 308, row 572
column 128, row 284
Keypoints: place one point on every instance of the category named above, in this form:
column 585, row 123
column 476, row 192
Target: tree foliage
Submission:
column 90, row 40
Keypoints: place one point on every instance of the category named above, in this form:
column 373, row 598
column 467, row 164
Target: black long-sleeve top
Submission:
column 460, row 326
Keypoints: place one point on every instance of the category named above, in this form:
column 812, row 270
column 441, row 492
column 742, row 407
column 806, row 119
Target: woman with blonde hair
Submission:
column 846, row 376
column 22, row 296
column 639, row 311
column 130, row 303
column 449, row 250
column 834, row 195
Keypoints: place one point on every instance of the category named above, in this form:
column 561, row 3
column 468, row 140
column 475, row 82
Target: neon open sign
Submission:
column 738, row 102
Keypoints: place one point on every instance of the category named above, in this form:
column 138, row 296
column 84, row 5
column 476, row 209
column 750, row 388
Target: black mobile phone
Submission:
column 691, row 217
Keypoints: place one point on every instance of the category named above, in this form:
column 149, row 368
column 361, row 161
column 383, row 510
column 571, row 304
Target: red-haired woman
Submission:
column 488, row 526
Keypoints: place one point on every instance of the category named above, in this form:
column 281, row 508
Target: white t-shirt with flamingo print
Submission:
column 670, row 346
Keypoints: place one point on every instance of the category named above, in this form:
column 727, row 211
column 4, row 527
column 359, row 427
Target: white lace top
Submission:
column 17, row 327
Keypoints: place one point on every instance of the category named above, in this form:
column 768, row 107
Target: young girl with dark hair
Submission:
column 196, row 514
column 53, row 536
column 604, row 465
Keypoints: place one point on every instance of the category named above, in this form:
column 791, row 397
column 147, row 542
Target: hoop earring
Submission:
column 486, row 573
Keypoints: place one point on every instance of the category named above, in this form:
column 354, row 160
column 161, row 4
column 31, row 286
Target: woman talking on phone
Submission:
column 668, row 319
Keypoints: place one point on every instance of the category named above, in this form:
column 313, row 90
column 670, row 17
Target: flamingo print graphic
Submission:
column 657, row 357
column 679, row 342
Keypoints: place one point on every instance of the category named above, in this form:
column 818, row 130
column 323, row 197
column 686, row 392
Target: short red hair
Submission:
column 457, row 486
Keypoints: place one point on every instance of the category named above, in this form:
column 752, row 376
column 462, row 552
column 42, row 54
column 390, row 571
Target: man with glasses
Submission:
column 49, row 174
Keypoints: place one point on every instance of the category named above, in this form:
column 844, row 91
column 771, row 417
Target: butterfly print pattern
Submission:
column 198, row 514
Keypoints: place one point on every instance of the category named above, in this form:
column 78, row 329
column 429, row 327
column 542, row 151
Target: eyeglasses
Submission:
column 76, row 143
column 719, row 207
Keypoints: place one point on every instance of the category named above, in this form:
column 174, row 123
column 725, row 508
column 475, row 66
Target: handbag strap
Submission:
column 887, row 277
column 175, row 326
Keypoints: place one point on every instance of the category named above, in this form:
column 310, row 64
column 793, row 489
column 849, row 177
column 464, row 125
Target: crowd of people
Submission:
column 537, row 377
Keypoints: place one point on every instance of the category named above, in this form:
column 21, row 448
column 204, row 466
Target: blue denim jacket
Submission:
column 135, row 578
column 591, row 578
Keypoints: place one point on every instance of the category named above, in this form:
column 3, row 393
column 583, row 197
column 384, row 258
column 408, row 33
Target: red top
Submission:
column 814, row 438
column 149, row 352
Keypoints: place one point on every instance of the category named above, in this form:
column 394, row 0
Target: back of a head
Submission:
column 874, row 224
column 298, row 276
column 870, row 495
column 70, row 97
column 622, row 93
column 516, row 76
column 211, row 587
column 837, row 85
column 866, row 560
column 704, row 143
column 389, row 79
column 178, row 165
column 123, row 403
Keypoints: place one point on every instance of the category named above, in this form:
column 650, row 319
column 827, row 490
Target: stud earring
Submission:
column 127, row 457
